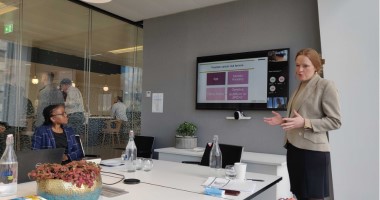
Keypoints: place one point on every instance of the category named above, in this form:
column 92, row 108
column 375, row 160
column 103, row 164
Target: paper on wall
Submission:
column 157, row 102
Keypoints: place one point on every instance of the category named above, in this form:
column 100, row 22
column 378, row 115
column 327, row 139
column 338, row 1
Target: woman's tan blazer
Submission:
column 319, row 102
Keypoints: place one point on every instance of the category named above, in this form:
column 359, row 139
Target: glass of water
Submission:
column 230, row 172
column 122, row 157
column 139, row 163
column 148, row 164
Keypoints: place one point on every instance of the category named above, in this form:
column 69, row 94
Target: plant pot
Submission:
column 57, row 189
column 186, row 142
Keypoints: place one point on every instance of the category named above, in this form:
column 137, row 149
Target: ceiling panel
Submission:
column 138, row 10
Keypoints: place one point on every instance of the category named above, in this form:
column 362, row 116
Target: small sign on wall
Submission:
column 157, row 102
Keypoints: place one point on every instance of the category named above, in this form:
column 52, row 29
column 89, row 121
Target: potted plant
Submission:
column 185, row 137
column 75, row 180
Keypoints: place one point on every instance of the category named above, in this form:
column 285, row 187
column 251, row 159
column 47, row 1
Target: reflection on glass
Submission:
column 74, row 42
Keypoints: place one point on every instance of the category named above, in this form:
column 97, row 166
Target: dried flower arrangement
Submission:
column 76, row 172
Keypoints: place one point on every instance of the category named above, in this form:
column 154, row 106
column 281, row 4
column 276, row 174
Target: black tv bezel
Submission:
column 235, row 56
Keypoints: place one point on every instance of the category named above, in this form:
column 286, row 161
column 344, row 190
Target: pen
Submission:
column 105, row 165
column 251, row 179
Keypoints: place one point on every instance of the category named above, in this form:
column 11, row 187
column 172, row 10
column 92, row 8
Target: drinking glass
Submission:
column 230, row 172
column 148, row 164
column 139, row 163
column 122, row 157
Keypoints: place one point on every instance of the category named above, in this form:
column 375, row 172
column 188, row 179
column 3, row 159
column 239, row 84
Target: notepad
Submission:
column 109, row 191
column 226, row 184
column 111, row 163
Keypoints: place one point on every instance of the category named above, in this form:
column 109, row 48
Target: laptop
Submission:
column 93, row 158
column 27, row 160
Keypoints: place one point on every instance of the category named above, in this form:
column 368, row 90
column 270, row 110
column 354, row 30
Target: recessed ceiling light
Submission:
column 6, row 9
column 96, row 1
column 126, row 50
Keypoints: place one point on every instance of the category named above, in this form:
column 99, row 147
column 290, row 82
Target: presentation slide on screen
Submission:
column 233, row 81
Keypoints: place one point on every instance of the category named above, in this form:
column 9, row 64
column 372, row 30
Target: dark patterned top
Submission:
column 43, row 138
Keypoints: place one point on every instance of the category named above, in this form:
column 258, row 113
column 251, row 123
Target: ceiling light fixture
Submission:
column 72, row 80
column 105, row 88
column 6, row 9
column 127, row 50
column 35, row 79
column 98, row 54
column 96, row 1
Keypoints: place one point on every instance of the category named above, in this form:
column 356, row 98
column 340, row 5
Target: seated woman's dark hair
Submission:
column 48, row 111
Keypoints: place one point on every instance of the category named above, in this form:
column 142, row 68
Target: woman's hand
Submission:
column 275, row 120
column 295, row 122
column 64, row 158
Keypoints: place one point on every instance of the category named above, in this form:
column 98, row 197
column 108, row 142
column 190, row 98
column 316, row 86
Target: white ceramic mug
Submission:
column 240, row 169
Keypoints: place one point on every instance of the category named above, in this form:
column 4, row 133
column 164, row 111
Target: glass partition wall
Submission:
column 44, row 42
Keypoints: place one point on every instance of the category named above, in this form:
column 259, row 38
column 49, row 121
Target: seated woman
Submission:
column 54, row 133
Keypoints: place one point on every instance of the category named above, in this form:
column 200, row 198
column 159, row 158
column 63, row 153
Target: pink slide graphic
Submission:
column 237, row 93
column 216, row 78
column 238, row 77
column 215, row 94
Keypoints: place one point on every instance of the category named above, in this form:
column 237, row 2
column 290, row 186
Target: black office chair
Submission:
column 144, row 146
column 230, row 155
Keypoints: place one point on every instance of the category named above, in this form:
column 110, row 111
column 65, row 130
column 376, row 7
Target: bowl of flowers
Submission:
column 75, row 180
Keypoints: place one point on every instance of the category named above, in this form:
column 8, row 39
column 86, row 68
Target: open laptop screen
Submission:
column 27, row 160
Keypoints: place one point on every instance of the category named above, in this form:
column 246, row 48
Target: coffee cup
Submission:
column 240, row 169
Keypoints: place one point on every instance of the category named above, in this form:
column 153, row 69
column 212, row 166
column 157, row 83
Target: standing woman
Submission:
column 54, row 133
column 313, row 110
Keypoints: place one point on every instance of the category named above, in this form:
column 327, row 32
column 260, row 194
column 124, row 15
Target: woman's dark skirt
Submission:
column 308, row 172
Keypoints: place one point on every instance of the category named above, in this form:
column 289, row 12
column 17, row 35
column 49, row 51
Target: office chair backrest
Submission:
column 144, row 146
column 230, row 154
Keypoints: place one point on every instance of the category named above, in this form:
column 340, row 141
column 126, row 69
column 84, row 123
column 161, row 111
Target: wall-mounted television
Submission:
column 256, row 80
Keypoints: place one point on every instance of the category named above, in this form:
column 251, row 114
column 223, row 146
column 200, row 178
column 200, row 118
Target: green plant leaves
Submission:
column 186, row 129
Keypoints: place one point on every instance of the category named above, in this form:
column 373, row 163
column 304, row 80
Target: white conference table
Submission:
column 262, row 163
column 167, row 180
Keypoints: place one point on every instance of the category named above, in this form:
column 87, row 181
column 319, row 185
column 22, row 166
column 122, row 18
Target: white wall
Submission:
column 349, row 40
column 172, row 44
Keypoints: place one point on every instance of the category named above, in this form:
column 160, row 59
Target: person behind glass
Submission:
column 74, row 105
column 119, row 112
column 54, row 133
column 119, row 109
column 313, row 110
column 48, row 95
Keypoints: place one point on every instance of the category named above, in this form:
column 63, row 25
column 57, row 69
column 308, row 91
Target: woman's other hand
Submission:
column 65, row 158
column 295, row 122
column 275, row 120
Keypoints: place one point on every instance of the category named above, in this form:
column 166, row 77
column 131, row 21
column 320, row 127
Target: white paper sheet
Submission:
column 222, row 183
column 157, row 102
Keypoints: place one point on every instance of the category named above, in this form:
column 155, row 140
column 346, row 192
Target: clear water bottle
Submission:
column 131, row 153
column 8, row 169
column 215, row 154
